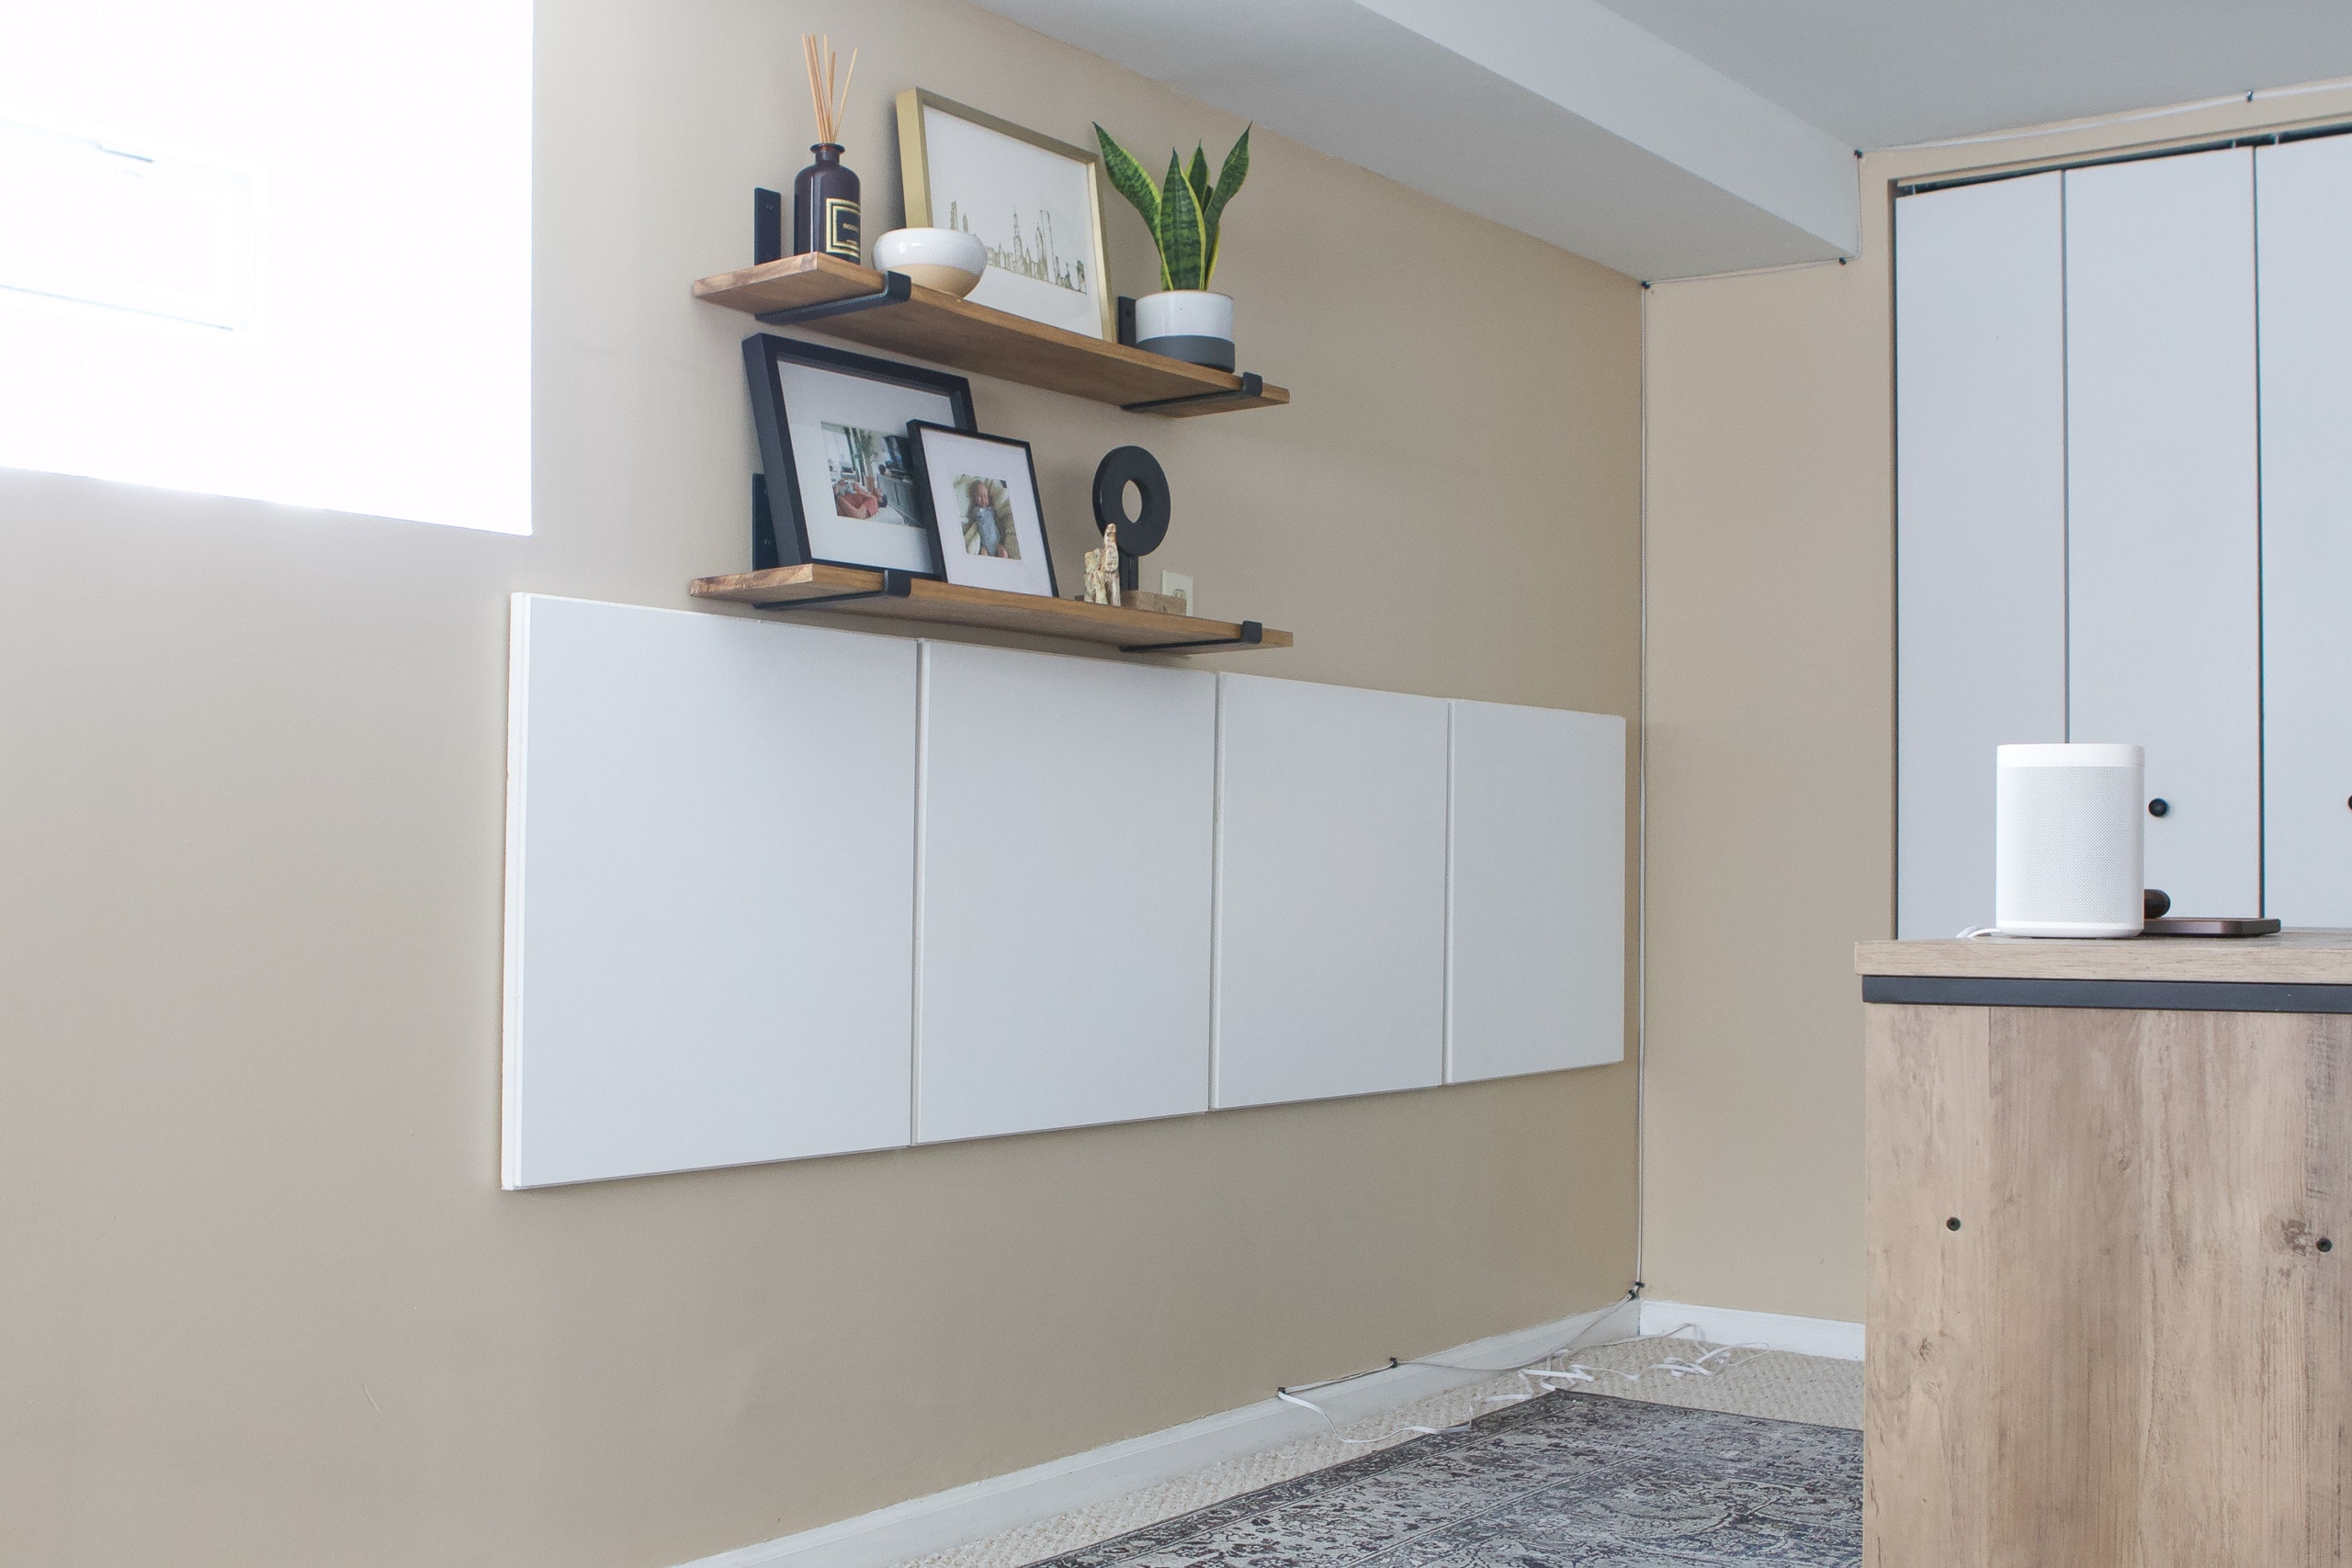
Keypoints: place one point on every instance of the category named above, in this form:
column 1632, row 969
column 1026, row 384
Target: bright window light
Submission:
column 272, row 249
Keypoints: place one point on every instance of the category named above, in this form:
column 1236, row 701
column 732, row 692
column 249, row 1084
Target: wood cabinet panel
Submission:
column 2134, row 1349
column 1927, row 1465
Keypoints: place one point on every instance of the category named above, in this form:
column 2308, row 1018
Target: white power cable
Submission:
column 1536, row 1378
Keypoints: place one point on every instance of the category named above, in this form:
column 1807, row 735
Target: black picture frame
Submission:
column 918, row 432
column 780, row 534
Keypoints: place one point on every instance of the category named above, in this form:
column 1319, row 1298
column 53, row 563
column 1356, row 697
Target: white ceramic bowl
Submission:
column 946, row 259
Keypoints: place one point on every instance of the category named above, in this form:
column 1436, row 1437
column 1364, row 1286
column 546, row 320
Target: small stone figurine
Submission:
column 1103, row 569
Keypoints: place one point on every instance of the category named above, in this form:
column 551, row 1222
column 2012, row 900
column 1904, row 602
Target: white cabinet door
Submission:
column 2306, row 235
column 1980, row 368
column 1535, row 938
column 709, row 891
column 2164, row 643
column 1330, row 929
column 1066, row 820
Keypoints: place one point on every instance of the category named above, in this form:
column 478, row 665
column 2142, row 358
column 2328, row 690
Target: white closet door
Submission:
column 1535, row 941
column 1331, row 930
column 1980, row 368
column 1066, row 820
column 709, row 891
column 2166, row 637
column 2305, row 200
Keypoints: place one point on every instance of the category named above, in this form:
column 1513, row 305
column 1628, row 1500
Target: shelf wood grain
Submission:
column 948, row 331
column 945, row 603
column 2297, row 957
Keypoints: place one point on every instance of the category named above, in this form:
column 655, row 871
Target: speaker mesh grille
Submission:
column 2069, row 847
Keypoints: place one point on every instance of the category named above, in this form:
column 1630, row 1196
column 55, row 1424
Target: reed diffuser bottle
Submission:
column 824, row 197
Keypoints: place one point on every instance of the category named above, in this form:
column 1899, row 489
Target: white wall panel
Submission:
column 1066, row 822
column 2164, row 643
column 1980, row 535
column 1535, row 939
column 709, row 891
column 2304, row 199
column 1331, row 932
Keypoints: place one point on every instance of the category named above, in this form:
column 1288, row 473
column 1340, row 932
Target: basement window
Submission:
column 271, row 250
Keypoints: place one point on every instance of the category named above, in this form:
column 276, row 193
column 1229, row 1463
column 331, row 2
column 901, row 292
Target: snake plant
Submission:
column 1184, row 211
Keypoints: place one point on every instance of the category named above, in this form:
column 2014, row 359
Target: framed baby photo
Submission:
column 981, row 501
column 840, row 482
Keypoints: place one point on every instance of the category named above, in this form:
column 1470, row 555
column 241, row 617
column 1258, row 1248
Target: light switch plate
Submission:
column 1181, row 586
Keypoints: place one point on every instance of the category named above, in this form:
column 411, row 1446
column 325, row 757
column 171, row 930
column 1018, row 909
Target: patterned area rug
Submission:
column 1566, row 1479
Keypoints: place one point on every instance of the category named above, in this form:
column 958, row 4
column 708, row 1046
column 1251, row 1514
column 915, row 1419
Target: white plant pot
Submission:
column 945, row 259
column 1190, row 324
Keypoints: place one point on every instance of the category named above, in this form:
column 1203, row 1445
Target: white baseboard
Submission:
column 966, row 1513
column 1828, row 1336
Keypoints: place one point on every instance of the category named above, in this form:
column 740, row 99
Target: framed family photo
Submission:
column 981, row 492
column 841, row 480
column 1032, row 201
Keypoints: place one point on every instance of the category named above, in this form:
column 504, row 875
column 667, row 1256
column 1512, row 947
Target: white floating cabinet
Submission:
column 1980, row 375
column 1535, row 941
column 1065, row 819
column 1330, row 893
column 2164, row 505
column 710, row 894
column 776, row 891
column 2306, row 234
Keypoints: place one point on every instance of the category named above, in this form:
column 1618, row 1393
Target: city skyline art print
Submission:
column 1031, row 201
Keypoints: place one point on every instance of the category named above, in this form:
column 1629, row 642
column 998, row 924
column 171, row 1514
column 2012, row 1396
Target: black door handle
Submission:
column 2159, row 807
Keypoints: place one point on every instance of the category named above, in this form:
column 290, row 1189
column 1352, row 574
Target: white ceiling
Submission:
column 1883, row 73
column 1675, row 138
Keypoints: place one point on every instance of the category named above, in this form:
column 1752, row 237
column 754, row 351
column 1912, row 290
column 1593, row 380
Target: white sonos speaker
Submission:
column 2067, row 855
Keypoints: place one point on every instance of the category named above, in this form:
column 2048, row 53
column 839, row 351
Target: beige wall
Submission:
column 262, row 1301
column 1771, row 695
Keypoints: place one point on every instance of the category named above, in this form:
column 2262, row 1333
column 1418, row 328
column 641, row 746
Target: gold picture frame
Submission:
column 952, row 157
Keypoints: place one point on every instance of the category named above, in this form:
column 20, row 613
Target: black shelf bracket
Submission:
column 1252, row 633
column 896, row 585
column 1253, row 386
column 897, row 289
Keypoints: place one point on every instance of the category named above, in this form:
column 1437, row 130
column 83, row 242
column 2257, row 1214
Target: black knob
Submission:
column 2158, row 807
column 2325, row 1245
column 1952, row 1224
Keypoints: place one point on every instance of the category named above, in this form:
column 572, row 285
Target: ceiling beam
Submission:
column 1556, row 117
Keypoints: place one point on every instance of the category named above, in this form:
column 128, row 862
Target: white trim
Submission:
column 966, row 1513
column 1829, row 1337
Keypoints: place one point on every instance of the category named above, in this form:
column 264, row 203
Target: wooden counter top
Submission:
column 2295, row 957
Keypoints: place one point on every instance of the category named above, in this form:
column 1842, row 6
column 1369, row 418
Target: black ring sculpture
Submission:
column 1138, row 536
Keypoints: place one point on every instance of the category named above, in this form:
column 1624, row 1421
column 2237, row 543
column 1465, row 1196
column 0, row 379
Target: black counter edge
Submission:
column 2154, row 996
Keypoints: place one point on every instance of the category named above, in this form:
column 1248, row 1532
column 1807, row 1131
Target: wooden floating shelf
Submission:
column 856, row 590
column 944, row 330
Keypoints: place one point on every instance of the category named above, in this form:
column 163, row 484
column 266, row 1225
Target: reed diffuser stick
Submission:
column 815, row 79
column 840, row 106
column 830, row 102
